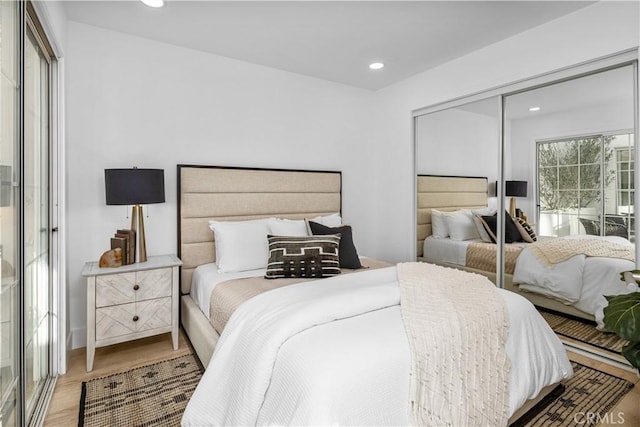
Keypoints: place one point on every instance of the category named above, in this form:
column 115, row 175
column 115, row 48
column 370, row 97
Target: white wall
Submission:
column 132, row 101
column 592, row 32
column 458, row 143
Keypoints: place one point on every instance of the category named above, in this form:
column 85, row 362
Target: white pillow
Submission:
column 332, row 220
column 288, row 227
column 483, row 211
column 460, row 225
column 241, row 245
column 438, row 225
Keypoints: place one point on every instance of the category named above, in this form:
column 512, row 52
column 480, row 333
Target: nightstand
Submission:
column 131, row 302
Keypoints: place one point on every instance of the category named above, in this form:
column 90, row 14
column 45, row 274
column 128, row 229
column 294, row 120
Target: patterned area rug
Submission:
column 156, row 395
column 152, row 395
column 588, row 397
column 584, row 332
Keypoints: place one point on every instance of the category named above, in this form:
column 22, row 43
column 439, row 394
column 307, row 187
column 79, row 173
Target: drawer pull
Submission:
column 136, row 287
column 135, row 318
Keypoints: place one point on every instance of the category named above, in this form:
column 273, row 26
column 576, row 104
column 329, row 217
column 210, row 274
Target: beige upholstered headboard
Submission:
column 446, row 193
column 230, row 193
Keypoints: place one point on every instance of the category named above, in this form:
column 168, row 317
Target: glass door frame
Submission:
column 26, row 19
column 29, row 22
column 34, row 404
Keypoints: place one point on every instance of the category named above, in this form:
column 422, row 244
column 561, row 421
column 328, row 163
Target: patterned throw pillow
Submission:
column 310, row 257
column 527, row 233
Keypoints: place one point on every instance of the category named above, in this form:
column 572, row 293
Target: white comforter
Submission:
column 580, row 281
column 334, row 351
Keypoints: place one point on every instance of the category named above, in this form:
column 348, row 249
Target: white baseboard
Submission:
column 79, row 338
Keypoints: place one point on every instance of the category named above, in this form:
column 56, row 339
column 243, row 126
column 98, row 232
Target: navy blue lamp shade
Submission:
column 516, row 189
column 134, row 186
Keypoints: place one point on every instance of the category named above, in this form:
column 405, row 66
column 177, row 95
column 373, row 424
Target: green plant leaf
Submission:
column 622, row 315
column 632, row 353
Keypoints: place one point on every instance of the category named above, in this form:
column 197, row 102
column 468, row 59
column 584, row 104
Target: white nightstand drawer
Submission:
column 153, row 284
column 116, row 320
column 115, row 289
column 125, row 288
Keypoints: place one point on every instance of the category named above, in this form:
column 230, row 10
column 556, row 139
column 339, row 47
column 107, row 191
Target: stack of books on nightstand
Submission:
column 126, row 241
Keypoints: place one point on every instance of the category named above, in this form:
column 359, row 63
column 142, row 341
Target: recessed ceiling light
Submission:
column 534, row 109
column 153, row 3
column 376, row 65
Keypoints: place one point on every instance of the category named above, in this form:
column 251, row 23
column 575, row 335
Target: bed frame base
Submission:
column 200, row 332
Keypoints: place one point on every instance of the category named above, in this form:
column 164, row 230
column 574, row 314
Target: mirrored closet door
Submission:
column 457, row 155
column 533, row 186
column 573, row 143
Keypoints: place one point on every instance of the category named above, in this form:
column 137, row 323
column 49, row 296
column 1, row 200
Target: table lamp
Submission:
column 135, row 187
column 515, row 189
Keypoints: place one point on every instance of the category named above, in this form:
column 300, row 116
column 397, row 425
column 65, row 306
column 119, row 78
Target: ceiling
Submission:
column 600, row 90
column 330, row 40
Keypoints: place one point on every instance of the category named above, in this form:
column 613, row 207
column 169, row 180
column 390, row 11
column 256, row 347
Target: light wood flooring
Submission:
column 64, row 407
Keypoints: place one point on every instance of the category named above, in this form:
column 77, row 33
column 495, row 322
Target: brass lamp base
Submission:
column 137, row 225
column 512, row 207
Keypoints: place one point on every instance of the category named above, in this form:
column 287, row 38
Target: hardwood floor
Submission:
column 64, row 407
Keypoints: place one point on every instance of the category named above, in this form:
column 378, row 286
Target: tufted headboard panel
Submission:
column 231, row 194
column 446, row 193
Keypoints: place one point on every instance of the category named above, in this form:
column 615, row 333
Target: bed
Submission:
column 324, row 351
column 574, row 287
column 233, row 194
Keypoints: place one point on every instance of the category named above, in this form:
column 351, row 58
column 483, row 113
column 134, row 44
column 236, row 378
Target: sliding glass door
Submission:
column 26, row 293
column 9, row 214
column 37, row 283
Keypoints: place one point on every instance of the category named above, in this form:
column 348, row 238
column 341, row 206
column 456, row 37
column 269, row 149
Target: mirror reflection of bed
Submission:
column 452, row 211
column 572, row 143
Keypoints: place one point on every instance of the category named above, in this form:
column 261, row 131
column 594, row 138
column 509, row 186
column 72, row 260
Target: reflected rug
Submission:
column 152, row 395
column 583, row 331
column 587, row 400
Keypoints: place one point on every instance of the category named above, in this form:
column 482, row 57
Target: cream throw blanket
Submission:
column 555, row 251
column 457, row 326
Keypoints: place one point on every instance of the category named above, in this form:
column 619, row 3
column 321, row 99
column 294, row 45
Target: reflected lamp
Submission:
column 135, row 187
column 515, row 189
